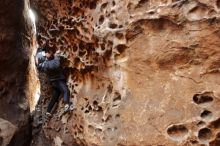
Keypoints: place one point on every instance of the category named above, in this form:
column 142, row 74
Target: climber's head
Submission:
column 49, row 53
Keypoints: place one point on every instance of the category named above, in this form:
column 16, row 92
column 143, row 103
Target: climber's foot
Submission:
column 48, row 115
column 68, row 107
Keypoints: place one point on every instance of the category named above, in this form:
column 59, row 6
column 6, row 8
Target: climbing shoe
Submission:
column 68, row 107
column 48, row 115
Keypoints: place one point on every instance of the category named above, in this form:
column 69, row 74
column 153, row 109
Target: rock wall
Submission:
column 15, row 50
column 141, row 72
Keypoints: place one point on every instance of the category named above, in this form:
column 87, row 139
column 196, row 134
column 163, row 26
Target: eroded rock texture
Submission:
column 15, row 51
column 141, row 72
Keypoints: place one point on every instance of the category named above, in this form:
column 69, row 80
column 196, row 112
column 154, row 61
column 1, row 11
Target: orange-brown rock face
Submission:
column 141, row 72
column 16, row 42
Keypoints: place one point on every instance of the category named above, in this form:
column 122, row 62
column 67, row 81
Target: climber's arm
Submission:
column 49, row 64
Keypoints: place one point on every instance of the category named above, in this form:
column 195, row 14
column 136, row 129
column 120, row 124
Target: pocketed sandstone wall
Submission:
column 142, row 72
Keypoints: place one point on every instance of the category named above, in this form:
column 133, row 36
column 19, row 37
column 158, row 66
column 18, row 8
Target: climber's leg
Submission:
column 66, row 93
column 55, row 97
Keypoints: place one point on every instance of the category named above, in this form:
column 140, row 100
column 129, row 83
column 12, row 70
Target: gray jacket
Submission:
column 52, row 69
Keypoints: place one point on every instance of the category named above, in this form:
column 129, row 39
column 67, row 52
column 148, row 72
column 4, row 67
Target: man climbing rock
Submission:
column 49, row 62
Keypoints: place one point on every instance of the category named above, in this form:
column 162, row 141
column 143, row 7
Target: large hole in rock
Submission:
column 205, row 134
column 206, row 115
column 177, row 132
column 202, row 99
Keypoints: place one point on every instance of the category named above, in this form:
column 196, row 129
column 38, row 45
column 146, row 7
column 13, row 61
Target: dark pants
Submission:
column 58, row 87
